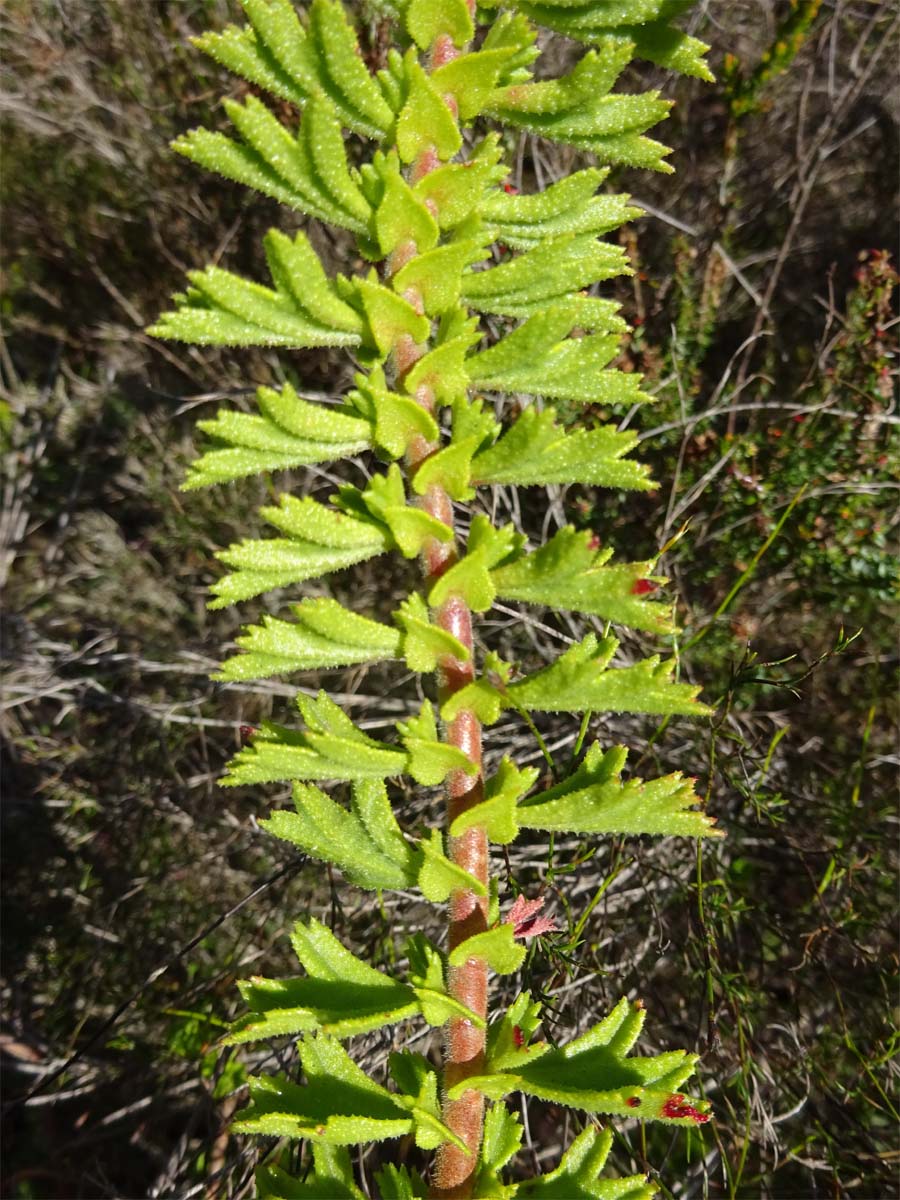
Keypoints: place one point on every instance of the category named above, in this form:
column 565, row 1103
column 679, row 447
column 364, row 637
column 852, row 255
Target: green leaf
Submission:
column 332, row 1176
column 427, row 20
column 319, row 540
column 576, row 1177
column 278, row 54
column 580, row 680
column 471, row 78
column 339, row 1105
column 430, row 759
column 325, row 634
column 221, row 308
column 594, row 1073
column 365, row 843
column 569, row 206
column 436, row 275
column 289, row 432
column 398, row 1183
column 535, row 450
column 502, row 1138
column 596, row 800
column 439, row 876
column 340, row 995
column 308, row 173
column 535, row 359
column 384, row 500
column 456, row 190
column 448, row 468
column 497, row 946
column 470, row 577
column 426, row 973
column 418, row 1083
column 331, row 748
column 401, row 215
column 389, row 315
column 645, row 24
column 568, row 572
column 509, row 1039
column 425, row 122
column 396, row 419
column 549, row 273
column 425, row 644
column 578, row 110
column 442, row 371
column 497, row 812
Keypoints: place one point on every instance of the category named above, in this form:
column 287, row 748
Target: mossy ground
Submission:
column 764, row 304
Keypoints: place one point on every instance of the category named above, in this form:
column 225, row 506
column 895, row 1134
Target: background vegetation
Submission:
column 764, row 306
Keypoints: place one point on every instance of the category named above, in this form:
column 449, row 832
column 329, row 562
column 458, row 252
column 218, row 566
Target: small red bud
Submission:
column 518, row 1037
column 510, row 189
column 247, row 732
column 633, row 1102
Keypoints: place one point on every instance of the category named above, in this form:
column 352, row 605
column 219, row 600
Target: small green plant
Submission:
column 451, row 243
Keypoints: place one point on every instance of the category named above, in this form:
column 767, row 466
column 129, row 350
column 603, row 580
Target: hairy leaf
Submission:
column 596, row 800
column 535, row 450
column 576, row 1177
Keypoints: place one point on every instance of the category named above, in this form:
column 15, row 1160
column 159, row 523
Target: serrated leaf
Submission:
column 549, row 273
column 332, row 1176
column 502, row 1137
column 593, row 1073
column 288, row 432
column 341, row 995
column 497, row 812
column 471, row 78
column 430, row 759
column 364, row 842
column 595, row 799
column 496, row 946
column 425, row 122
column 339, row 1105
column 396, row 419
column 401, row 215
column 332, row 747
column 325, row 634
column 509, row 1039
column 221, row 308
column 569, row 572
column 454, row 191
column 576, row 1177
column 537, row 358
column 389, row 315
column 448, row 468
column 578, row 110
column 439, row 876
column 535, row 450
column 569, row 206
column 427, row 20
column 443, row 370
column 320, row 540
column 470, row 577
column 425, row 644
column 437, row 275
column 398, row 1183
column 426, row 972
column 580, row 680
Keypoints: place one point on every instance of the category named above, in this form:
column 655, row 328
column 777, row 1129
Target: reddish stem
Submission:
column 464, row 1041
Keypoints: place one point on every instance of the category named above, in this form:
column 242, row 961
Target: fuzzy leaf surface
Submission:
column 325, row 634
column 288, row 432
column 332, row 1176
column 535, row 450
column 568, row 572
column 594, row 1073
column 340, row 994
column 318, row 540
column 570, row 206
column 577, row 1176
column 595, row 799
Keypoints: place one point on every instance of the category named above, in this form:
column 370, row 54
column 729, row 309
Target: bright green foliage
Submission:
column 443, row 244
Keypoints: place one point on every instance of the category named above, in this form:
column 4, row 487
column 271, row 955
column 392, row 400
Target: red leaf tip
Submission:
column 677, row 1108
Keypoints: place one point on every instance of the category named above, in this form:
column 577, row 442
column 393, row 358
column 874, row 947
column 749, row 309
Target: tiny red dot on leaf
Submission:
column 510, row 189
column 518, row 1037
column 641, row 587
column 247, row 732
column 633, row 1102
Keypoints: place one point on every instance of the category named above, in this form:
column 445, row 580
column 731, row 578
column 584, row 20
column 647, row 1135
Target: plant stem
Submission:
column 464, row 1042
